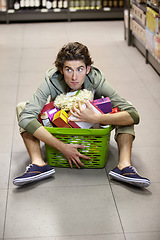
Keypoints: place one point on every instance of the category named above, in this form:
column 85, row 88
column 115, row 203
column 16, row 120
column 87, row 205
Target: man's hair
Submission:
column 73, row 51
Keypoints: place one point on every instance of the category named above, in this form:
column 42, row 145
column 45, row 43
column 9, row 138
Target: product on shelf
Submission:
column 139, row 14
column 157, row 47
column 152, row 20
column 149, row 40
column 3, row 5
column 139, row 31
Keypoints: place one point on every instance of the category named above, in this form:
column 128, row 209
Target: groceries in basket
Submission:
column 57, row 113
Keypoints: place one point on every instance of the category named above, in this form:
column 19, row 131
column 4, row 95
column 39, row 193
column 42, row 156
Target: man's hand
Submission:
column 73, row 155
column 84, row 114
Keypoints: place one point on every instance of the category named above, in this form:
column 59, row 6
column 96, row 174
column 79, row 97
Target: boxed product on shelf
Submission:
column 3, row 5
column 149, row 40
column 157, row 47
column 139, row 14
column 139, row 31
column 152, row 20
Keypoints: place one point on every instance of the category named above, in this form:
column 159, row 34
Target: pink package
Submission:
column 104, row 104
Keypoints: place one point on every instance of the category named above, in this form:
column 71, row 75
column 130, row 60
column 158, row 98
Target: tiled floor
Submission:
column 77, row 204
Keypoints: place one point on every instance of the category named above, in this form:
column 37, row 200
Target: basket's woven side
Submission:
column 96, row 147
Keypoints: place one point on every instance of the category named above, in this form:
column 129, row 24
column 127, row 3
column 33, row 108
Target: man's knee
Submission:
column 19, row 109
column 125, row 130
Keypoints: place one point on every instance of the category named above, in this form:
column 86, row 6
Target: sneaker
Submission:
column 129, row 175
column 33, row 173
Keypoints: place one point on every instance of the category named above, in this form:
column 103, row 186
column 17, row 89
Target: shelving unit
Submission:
column 136, row 39
column 70, row 13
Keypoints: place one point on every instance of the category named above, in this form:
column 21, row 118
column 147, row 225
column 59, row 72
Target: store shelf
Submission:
column 3, row 16
column 134, row 40
column 37, row 15
column 148, row 56
column 110, row 13
column 60, row 15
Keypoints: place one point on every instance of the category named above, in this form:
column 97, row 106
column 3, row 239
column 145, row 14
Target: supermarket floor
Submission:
column 78, row 204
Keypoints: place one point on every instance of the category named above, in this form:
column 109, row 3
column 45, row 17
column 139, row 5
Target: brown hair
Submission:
column 73, row 51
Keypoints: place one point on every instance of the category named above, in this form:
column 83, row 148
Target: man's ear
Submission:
column 88, row 69
column 61, row 70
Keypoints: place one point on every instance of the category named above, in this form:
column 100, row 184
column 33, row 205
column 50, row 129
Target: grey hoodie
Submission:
column 54, row 84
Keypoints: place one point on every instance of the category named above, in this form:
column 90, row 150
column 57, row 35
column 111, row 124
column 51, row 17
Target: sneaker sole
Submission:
column 136, row 182
column 22, row 181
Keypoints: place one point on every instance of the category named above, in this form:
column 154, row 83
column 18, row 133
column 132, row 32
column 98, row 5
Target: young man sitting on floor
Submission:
column 74, row 71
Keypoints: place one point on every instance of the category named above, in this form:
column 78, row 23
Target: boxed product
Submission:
column 139, row 31
column 139, row 14
column 84, row 124
column 60, row 119
column 51, row 113
column 115, row 110
column 157, row 47
column 47, row 107
column 152, row 20
column 104, row 104
column 149, row 40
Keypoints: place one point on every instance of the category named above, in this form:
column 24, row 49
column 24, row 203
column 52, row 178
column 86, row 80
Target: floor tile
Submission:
column 63, row 176
column 63, row 209
column 143, row 236
column 78, row 204
column 84, row 237
column 6, row 138
column 147, row 134
column 146, row 161
column 3, row 199
column 5, row 167
column 141, row 204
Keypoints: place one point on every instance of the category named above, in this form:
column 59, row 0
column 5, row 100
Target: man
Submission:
column 74, row 71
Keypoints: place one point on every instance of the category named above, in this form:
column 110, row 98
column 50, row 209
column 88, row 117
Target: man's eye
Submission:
column 80, row 69
column 68, row 70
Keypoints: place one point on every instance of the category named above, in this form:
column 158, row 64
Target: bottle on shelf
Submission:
column 49, row 4
column 17, row 5
column 54, row 4
column 65, row 4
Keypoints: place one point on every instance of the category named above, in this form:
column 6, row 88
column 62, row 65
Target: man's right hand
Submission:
column 73, row 155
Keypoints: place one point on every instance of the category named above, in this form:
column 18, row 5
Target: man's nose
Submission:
column 74, row 75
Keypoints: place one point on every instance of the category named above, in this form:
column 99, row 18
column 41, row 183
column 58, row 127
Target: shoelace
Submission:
column 133, row 169
column 28, row 167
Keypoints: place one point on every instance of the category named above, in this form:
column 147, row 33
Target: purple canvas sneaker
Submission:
column 34, row 173
column 129, row 175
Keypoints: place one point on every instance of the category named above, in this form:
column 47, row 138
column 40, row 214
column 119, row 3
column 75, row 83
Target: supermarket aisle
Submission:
column 77, row 204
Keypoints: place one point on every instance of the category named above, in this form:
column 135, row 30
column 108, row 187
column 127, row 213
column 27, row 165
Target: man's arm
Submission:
column 88, row 115
column 68, row 150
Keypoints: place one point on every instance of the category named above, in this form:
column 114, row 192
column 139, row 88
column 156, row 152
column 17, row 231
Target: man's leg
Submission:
column 124, row 142
column 33, row 147
column 125, row 172
column 38, row 169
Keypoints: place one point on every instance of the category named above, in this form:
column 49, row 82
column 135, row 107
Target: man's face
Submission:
column 74, row 73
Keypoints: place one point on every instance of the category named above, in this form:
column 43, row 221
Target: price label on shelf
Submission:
column 107, row 9
column 57, row 10
column 44, row 10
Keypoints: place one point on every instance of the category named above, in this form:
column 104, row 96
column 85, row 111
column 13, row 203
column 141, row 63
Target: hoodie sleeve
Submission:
column 28, row 118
